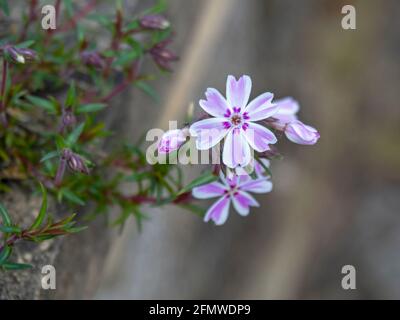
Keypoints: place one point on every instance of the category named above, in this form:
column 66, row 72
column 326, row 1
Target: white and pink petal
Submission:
column 209, row 132
column 261, row 107
column 210, row 190
column 215, row 105
column 259, row 185
column 238, row 92
column 242, row 201
column 288, row 108
column 259, row 137
column 236, row 149
column 219, row 211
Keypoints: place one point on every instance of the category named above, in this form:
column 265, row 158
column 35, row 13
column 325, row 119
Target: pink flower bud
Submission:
column 75, row 162
column 171, row 140
column 68, row 118
column 162, row 56
column 14, row 54
column 19, row 55
column 155, row 21
column 300, row 133
column 288, row 108
column 93, row 58
column 28, row 54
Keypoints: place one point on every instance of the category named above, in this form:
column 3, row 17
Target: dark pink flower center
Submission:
column 233, row 189
column 236, row 118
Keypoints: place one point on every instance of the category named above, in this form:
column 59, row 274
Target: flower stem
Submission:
column 9, row 242
column 3, row 117
column 31, row 18
column 78, row 16
column 132, row 76
column 60, row 172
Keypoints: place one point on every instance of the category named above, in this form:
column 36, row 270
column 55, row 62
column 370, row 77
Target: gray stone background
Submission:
column 333, row 204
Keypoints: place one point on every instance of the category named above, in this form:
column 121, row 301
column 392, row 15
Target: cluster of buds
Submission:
column 154, row 22
column 93, row 59
column 162, row 55
column 18, row 55
column 74, row 162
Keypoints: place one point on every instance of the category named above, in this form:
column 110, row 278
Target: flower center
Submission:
column 234, row 189
column 236, row 119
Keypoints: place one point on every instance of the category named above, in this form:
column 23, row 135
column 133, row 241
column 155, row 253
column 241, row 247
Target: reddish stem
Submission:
column 78, row 16
column 3, row 117
column 28, row 234
column 57, row 7
column 141, row 198
column 117, row 89
column 134, row 71
column 3, row 85
column 31, row 17
column 10, row 241
column 60, row 172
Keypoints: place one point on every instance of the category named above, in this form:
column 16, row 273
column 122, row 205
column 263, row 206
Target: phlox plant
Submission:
column 57, row 85
column 54, row 85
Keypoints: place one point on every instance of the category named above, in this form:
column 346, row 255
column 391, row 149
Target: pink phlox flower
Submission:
column 234, row 119
column 236, row 191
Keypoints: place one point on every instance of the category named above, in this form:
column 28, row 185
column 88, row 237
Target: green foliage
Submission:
column 90, row 107
column 43, row 209
column 59, row 140
column 4, row 7
column 39, row 231
column 205, row 178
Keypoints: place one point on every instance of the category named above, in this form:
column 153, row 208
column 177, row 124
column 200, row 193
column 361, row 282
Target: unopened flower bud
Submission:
column 15, row 55
column 28, row 54
column 93, row 58
column 172, row 140
column 163, row 56
column 19, row 55
column 68, row 118
column 75, row 162
column 300, row 133
column 155, row 21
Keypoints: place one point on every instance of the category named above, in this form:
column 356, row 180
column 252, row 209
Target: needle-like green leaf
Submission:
column 4, row 254
column 5, row 216
column 43, row 210
column 205, row 178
